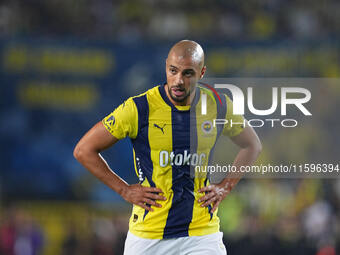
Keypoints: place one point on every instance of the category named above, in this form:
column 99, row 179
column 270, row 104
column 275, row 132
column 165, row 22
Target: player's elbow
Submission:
column 257, row 147
column 79, row 152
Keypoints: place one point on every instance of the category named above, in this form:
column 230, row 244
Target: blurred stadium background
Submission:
column 64, row 65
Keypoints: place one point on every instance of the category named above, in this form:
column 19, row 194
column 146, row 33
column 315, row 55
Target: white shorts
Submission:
column 189, row 245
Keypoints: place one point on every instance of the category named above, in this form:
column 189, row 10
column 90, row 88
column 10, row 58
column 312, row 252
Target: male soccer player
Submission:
column 174, row 208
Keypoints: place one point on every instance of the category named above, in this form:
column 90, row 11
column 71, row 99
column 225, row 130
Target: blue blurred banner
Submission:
column 53, row 90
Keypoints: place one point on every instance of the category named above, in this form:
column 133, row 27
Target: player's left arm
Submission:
column 250, row 148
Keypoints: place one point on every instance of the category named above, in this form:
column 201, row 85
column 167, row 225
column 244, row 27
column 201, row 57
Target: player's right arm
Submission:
column 99, row 138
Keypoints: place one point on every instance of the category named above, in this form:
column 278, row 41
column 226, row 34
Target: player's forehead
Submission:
column 183, row 62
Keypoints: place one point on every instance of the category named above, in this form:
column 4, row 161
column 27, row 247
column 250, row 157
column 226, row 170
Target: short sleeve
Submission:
column 123, row 121
column 235, row 123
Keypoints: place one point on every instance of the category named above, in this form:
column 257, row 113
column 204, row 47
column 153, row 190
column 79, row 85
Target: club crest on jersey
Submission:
column 207, row 127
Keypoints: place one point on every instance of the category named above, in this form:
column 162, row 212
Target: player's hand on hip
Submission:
column 214, row 194
column 144, row 197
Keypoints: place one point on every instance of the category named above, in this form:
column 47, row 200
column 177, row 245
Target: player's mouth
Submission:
column 178, row 92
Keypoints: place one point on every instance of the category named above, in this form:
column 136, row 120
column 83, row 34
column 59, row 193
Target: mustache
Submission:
column 177, row 87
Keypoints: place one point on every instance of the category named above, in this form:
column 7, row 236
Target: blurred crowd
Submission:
column 19, row 234
column 36, row 229
column 260, row 217
column 135, row 20
column 282, row 217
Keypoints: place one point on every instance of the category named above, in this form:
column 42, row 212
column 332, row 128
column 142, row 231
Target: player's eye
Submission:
column 188, row 74
column 173, row 71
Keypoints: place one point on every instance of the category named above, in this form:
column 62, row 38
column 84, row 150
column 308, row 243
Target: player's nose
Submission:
column 179, row 79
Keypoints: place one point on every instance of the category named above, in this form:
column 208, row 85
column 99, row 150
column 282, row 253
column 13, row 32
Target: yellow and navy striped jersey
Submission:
column 168, row 141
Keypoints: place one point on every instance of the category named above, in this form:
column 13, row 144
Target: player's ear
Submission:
column 204, row 68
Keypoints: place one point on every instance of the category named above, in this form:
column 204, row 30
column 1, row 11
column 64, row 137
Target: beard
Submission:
column 178, row 98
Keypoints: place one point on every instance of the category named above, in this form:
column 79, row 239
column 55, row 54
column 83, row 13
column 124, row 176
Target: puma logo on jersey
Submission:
column 161, row 128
